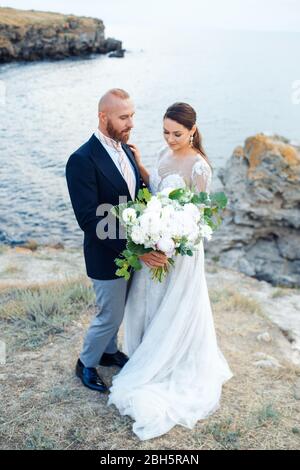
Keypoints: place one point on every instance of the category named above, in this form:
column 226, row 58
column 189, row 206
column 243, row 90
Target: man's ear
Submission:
column 102, row 117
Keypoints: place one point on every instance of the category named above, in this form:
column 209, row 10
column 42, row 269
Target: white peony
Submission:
column 138, row 235
column 166, row 245
column 153, row 205
column 192, row 210
column 167, row 215
column 186, row 224
column 150, row 222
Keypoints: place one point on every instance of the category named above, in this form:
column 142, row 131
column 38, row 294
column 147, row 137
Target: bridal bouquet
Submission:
column 174, row 221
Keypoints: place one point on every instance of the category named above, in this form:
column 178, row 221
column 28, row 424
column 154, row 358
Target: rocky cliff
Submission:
column 33, row 35
column 260, row 235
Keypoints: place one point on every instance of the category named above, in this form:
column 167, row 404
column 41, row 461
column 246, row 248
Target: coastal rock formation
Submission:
column 260, row 234
column 32, row 35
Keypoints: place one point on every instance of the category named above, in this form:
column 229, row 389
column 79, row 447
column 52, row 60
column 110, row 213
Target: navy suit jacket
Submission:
column 94, row 179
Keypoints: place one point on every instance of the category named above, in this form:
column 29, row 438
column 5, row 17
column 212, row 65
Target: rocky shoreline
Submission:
column 28, row 35
column 260, row 234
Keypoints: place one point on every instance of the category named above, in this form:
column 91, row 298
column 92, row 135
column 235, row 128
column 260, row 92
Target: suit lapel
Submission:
column 135, row 167
column 105, row 164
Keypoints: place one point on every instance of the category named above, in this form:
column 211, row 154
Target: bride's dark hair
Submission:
column 184, row 114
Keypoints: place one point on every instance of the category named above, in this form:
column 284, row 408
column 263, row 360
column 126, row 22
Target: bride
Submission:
column 175, row 370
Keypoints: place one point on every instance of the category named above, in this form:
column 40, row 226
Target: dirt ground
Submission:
column 44, row 406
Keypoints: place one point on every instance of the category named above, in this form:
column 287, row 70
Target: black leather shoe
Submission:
column 117, row 359
column 90, row 377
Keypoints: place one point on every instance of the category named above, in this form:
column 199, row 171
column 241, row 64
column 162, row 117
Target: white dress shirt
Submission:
column 108, row 144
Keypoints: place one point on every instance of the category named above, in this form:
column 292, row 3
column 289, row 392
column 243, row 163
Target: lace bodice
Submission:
column 191, row 171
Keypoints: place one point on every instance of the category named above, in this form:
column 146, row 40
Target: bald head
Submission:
column 115, row 112
column 111, row 99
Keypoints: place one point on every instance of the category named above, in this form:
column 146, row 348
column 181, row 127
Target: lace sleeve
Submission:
column 154, row 178
column 201, row 176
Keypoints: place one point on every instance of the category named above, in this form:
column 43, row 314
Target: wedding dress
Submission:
column 175, row 370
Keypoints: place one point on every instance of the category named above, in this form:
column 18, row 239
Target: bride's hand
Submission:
column 136, row 153
column 142, row 169
column 154, row 259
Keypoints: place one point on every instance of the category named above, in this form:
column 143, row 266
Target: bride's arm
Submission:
column 201, row 176
column 143, row 170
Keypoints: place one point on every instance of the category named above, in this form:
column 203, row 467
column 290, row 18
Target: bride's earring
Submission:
column 191, row 140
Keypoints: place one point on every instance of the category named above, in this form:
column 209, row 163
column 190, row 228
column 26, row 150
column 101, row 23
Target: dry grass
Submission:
column 44, row 405
column 280, row 292
column 31, row 315
column 24, row 18
column 14, row 17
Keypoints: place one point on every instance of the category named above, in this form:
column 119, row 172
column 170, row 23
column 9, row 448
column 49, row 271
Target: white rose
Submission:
column 129, row 215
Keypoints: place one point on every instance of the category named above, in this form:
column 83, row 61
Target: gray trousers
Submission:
column 102, row 335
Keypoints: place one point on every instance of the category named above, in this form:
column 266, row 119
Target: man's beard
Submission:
column 116, row 135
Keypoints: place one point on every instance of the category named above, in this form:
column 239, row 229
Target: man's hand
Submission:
column 154, row 259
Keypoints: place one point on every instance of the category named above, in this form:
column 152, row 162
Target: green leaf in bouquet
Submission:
column 122, row 272
column 184, row 249
column 126, row 253
column 207, row 212
column 200, row 198
column 117, row 210
column 209, row 221
column 137, row 249
column 130, row 260
column 144, row 195
column 177, row 194
column 134, row 262
column 147, row 194
column 140, row 195
column 219, row 199
column 119, row 262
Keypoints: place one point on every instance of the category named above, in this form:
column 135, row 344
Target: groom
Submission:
column 98, row 173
